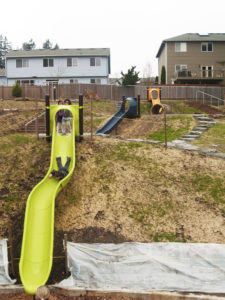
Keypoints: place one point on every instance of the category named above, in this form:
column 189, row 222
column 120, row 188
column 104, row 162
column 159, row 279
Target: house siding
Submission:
column 58, row 71
column 194, row 58
column 83, row 72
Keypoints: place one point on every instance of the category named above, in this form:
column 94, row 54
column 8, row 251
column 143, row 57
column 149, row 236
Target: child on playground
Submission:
column 59, row 117
column 66, row 119
column 63, row 170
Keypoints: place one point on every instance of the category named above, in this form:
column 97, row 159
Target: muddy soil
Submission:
column 203, row 107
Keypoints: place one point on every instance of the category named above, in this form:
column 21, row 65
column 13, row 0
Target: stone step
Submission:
column 195, row 132
column 205, row 119
column 207, row 122
column 186, row 139
column 198, row 115
column 192, row 136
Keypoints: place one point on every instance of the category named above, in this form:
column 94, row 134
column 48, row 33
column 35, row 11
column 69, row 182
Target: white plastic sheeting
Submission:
column 4, row 275
column 146, row 266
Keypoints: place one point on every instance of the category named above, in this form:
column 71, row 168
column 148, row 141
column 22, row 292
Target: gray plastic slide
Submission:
column 131, row 112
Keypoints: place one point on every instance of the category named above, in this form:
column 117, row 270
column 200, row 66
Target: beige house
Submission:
column 193, row 58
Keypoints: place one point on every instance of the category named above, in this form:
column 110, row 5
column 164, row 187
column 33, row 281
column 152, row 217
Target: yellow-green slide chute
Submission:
column 38, row 236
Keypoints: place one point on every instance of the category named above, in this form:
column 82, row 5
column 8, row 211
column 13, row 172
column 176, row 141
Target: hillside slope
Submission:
column 143, row 193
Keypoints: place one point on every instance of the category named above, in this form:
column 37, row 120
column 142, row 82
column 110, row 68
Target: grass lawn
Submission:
column 213, row 138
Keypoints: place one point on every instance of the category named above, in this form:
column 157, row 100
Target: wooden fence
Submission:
column 113, row 92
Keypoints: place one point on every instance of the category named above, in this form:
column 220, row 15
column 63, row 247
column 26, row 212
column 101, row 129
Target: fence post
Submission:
column 66, row 253
column 165, row 128
column 81, row 123
column 11, row 247
column 91, row 118
column 47, row 123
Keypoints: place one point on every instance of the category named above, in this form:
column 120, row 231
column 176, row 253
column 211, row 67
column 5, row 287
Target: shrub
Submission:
column 17, row 90
column 163, row 75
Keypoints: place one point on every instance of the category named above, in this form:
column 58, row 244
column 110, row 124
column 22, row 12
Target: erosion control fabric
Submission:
column 143, row 267
column 4, row 274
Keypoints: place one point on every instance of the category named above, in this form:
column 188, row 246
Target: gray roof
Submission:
column 193, row 37
column 2, row 72
column 59, row 52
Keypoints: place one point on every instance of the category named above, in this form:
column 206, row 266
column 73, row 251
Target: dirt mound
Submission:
column 203, row 107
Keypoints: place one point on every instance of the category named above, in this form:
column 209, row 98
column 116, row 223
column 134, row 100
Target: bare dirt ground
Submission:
column 203, row 107
column 120, row 191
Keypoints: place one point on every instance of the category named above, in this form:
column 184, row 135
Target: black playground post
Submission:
column 147, row 93
column 138, row 106
column 81, row 117
column 47, row 118
column 124, row 102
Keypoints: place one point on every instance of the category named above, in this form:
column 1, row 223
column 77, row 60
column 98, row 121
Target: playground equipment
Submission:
column 37, row 246
column 154, row 99
column 133, row 111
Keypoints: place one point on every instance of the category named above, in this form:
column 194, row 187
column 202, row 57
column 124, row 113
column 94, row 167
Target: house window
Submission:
column 26, row 82
column 95, row 80
column 73, row 81
column 22, row 63
column 95, row 61
column 48, row 62
column 207, row 47
column 207, row 71
column 71, row 62
column 181, row 71
column 180, row 67
column 180, row 47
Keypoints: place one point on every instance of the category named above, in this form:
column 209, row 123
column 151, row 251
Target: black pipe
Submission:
column 139, row 106
column 47, row 118
column 81, row 117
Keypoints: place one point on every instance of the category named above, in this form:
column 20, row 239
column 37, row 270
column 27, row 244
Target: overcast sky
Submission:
column 132, row 29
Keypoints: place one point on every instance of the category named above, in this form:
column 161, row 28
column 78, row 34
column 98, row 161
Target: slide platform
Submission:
column 38, row 236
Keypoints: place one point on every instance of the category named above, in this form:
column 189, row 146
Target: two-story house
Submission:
column 47, row 66
column 193, row 58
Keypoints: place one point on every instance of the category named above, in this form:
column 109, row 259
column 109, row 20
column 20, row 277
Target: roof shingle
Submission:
column 59, row 52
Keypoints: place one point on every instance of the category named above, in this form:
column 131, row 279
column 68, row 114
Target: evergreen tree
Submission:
column 29, row 46
column 17, row 90
column 5, row 46
column 163, row 75
column 47, row 44
column 129, row 78
column 56, row 46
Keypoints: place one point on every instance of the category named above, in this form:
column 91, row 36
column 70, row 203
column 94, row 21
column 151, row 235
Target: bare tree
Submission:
column 147, row 75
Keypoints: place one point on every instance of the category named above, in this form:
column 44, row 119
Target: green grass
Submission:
column 166, row 236
column 181, row 107
column 172, row 131
column 214, row 136
column 13, row 140
column 213, row 188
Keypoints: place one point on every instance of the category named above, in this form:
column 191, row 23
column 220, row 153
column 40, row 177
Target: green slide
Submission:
column 38, row 236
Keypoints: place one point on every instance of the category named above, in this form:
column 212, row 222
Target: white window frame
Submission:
column 72, row 81
column 206, row 44
column 207, row 71
column 95, row 80
column 95, row 61
column 180, row 47
column 72, row 62
column 24, row 62
column 181, row 68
